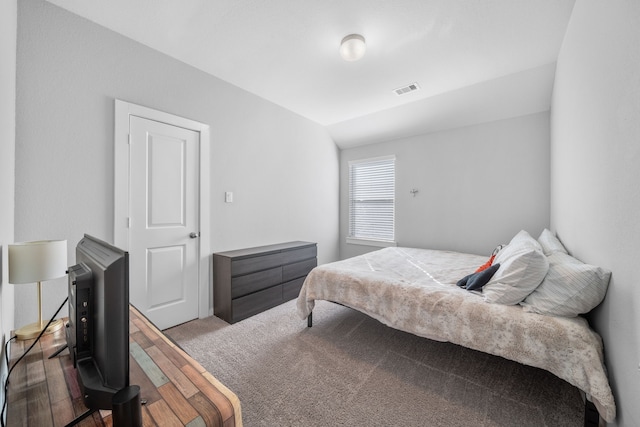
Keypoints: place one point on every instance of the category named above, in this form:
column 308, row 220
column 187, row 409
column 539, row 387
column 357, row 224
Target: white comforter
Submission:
column 414, row 290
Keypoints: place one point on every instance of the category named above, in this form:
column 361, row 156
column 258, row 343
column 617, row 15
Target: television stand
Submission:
column 45, row 391
column 126, row 409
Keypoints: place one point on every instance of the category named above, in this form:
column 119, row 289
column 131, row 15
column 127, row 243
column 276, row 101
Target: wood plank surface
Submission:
column 176, row 400
column 163, row 415
column 177, row 377
column 172, row 354
column 177, row 390
column 208, row 411
column 139, row 378
column 217, row 397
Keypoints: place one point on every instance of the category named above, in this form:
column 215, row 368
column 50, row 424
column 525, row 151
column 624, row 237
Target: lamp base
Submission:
column 33, row 330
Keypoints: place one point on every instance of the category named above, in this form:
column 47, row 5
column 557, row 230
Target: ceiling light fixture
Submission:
column 352, row 47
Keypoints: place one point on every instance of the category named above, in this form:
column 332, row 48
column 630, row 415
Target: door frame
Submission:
column 121, row 212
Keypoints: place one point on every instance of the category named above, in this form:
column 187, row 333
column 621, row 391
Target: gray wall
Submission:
column 282, row 168
column 8, row 24
column 595, row 152
column 477, row 186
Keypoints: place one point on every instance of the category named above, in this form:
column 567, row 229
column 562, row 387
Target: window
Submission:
column 372, row 200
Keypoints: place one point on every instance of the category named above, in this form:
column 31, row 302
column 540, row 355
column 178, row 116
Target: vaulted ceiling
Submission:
column 474, row 60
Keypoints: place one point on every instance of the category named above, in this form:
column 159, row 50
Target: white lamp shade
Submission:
column 31, row 262
column 352, row 47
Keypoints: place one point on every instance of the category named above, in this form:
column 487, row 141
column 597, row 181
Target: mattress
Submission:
column 414, row 290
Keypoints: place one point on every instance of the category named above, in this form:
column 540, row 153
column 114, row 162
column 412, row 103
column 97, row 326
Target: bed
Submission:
column 416, row 291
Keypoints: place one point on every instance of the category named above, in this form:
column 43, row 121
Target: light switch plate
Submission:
column 228, row 197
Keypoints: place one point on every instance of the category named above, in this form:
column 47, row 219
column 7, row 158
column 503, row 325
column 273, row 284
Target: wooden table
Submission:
column 178, row 391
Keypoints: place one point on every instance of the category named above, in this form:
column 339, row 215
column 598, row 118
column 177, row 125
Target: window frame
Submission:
column 364, row 239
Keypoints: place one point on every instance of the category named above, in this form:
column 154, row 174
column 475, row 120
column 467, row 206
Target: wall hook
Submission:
column 414, row 191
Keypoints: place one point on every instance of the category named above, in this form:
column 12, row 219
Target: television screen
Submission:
column 98, row 330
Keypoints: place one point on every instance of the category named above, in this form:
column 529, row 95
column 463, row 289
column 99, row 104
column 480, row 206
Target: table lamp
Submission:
column 31, row 262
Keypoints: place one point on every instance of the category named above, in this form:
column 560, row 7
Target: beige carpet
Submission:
column 351, row 370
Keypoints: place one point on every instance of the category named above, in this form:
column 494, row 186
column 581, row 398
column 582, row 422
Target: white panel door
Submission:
column 164, row 224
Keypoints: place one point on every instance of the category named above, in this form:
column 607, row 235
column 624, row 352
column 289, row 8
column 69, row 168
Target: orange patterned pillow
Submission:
column 487, row 264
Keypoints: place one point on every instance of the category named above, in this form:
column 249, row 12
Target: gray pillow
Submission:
column 477, row 280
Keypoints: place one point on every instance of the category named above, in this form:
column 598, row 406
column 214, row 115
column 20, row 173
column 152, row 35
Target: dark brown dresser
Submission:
column 249, row 281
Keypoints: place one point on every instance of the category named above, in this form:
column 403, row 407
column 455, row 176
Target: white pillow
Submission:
column 522, row 268
column 550, row 243
column 524, row 237
column 570, row 288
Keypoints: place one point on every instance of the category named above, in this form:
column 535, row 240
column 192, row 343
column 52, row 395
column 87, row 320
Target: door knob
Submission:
column 194, row 235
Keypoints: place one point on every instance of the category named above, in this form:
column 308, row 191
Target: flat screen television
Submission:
column 98, row 331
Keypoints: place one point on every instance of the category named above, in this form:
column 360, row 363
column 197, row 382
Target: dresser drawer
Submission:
column 291, row 289
column 299, row 254
column 256, row 263
column 256, row 302
column 243, row 285
column 297, row 269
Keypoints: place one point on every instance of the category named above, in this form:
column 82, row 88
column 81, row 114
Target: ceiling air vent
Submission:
column 406, row 89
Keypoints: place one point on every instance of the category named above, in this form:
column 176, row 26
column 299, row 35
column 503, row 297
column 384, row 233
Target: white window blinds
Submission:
column 372, row 199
